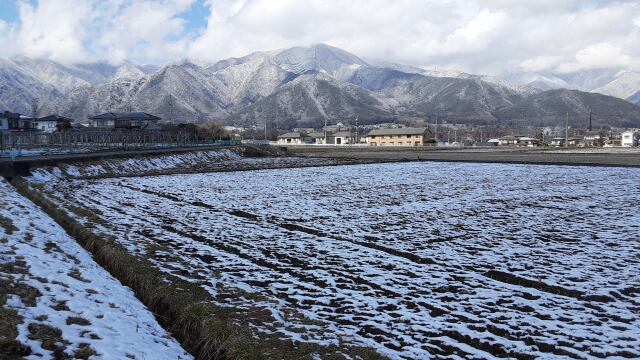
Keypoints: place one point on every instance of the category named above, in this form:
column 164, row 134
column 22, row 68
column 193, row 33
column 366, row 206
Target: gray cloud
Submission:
column 493, row 37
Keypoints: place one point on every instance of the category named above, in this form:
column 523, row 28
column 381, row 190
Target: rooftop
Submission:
column 292, row 135
column 399, row 131
column 125, row 116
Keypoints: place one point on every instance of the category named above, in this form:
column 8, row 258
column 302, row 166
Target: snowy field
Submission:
column 69, row 307
column 416, row 260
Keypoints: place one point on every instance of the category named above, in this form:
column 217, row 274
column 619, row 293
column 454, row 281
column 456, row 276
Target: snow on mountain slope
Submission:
column 312, row 97
column 635, row 98
column 66, row 303
column 18, row 88
column 624, row 86
column 335, row 62
column 542, row 82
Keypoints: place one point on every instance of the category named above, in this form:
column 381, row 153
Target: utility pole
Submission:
column 34, row 108
column 171, row 110
column 265, row 129
column 357, row 139
column 325, row 131
column 566, row 131
column 436, row 134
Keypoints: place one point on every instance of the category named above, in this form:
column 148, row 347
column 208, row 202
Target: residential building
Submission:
column 508, row 140
column 123, row 120
column 17, row 122
column 557, row 141
column 294, row 138
column 593, row 138
column 349, row 138
column 408, row 136
column 322, row 138
column 627, row 139
column 527, row 141
column 4, row 123
column 51, row 123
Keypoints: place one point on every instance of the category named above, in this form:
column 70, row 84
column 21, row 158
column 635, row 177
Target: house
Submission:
column 576, row 141
column 123, row 120
column 16, row 121
column 318, row 138
column 493, row 142
column 408, row 136
column 349, row 138
column 4, row 123
column 557, row 141
column 627, row 139
column 527, row 141
column 294, row 138
column 52, row 123
column 508, row 140
column 592, row 138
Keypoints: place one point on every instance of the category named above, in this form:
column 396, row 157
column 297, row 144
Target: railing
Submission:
column 33, row 143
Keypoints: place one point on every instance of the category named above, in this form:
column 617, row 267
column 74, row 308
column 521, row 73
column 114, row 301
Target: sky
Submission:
column 492, row 37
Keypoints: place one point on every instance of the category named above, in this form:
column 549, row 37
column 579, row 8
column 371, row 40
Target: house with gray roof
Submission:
column 294, row 138
column 123, row 120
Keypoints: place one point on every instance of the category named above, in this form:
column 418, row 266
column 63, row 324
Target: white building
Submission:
column 294, row 138
column 627, row 139
column 49, row 124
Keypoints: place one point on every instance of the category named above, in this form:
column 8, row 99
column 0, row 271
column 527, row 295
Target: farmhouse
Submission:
column 408, row 136
column 294, row 138
column 123, row 120
column 51, row 123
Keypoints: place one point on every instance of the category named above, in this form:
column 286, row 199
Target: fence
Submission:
column 18, row 143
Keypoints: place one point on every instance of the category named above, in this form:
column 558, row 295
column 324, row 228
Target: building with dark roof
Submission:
column 123, row 120
column 15, row 122
column 294, row 138
column 405, row 136
column 52, row 123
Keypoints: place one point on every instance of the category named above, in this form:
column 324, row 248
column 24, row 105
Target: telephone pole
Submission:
column 34, row 108
column 436, row 132
column 357, row 139
column 566, row 131
column 325, row 131
column 171, row 110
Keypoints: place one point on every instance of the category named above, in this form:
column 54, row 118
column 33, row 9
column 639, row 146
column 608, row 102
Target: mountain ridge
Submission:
column 291, row 87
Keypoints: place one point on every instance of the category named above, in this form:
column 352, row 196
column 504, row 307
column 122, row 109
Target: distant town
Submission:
column 21, row 130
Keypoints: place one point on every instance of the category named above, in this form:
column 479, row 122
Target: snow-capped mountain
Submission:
column 625, row 85
column 19, row 88
column 288, row 87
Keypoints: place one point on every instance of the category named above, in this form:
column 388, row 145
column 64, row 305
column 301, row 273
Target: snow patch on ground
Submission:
column 110, row 319
column 533, row 261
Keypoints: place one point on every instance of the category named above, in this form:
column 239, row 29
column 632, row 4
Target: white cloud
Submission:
column 480, row 36
column 88, row 30
column 597, row 56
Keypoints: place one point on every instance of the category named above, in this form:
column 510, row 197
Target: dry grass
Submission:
column 10, row 348
column 7, row 225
